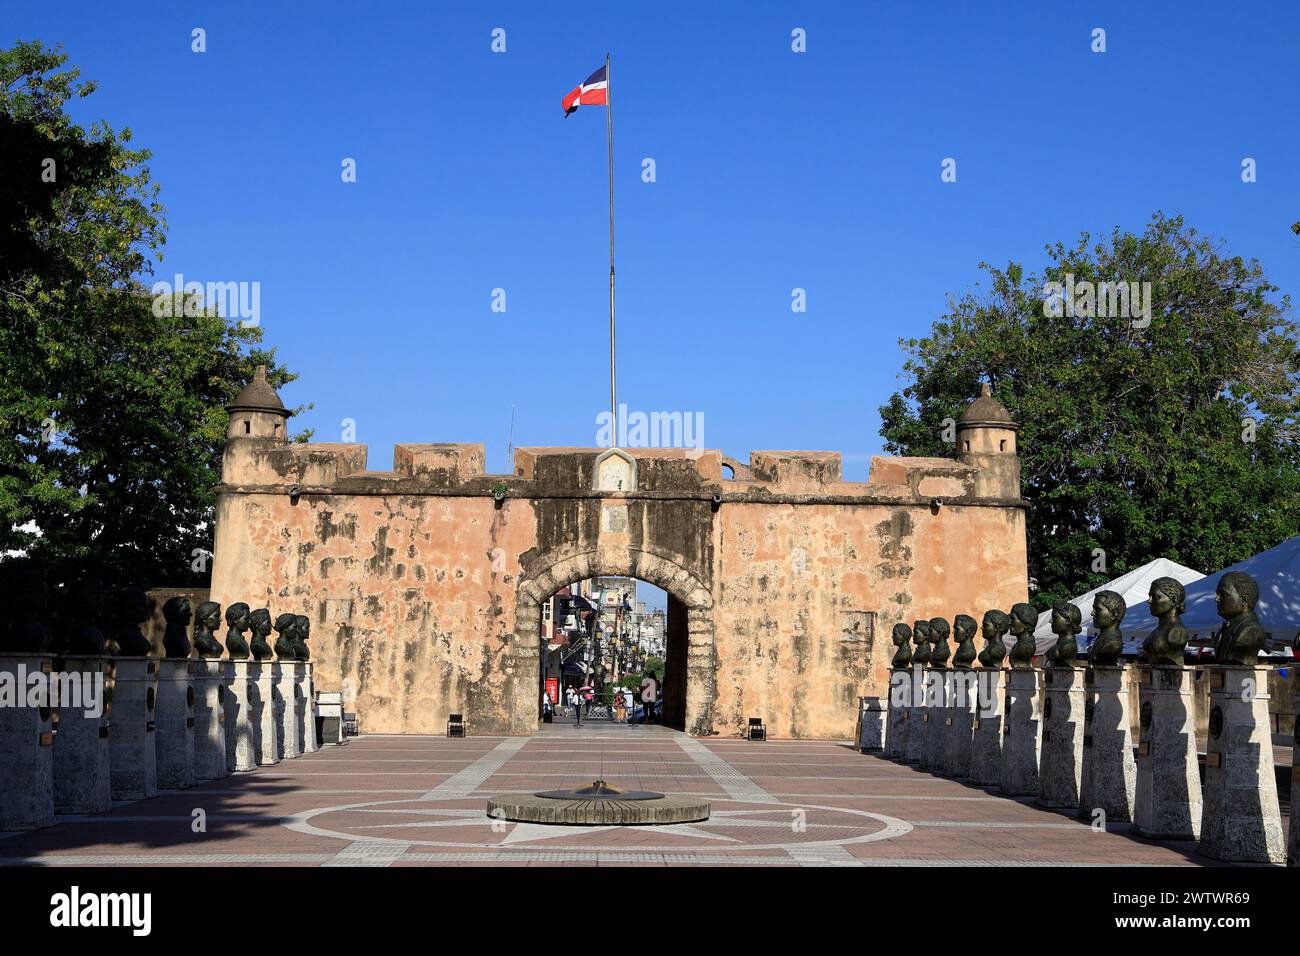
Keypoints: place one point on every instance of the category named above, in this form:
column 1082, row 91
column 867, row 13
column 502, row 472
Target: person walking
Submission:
column 649, row 693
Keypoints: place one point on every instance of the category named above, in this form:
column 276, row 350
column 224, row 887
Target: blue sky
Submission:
column 775, row 170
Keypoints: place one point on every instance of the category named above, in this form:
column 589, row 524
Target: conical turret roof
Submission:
column 258, row 396
column 987, row 410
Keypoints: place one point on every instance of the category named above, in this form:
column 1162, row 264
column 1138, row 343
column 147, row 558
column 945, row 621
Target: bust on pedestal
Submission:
column 209, row 696
column 962, row 699
column 1061, row 758
column 1109, row 772
column 935, row 721
column 900, row 692
column 1241, row 820
column 986, row 728
column 1167, row 800
column 1022, row 730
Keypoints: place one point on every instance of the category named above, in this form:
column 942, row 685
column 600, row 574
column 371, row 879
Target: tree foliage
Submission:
column 1177, row 439
column 111, row 417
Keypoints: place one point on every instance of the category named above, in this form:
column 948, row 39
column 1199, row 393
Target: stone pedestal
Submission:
column 900, row 699
column 308, row 703
column 133, row 694
column 209, row 720
column 241, row 753
column 286, row 700
column 174, row 719
column 871, row 725
column 82, row 781
column 1167, row 798
column 1241, row 821
column 914, row 739
column 1060, row 763
column 962, row 701
column 1109, row 777
column 1293, row 833
column 935, row 721
column 986, row 731
column 1021, row 734
column 262, row 715
column 26, row 747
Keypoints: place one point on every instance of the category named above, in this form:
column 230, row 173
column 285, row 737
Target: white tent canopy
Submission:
column 1277, row 571
column 1135, row 588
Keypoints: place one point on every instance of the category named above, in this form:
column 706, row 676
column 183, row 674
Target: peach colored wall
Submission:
column 798, row 585
column 420, row 586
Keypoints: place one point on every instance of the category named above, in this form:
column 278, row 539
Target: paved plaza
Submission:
column 411, row 801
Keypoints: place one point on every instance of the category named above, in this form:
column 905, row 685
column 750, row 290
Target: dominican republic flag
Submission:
column 594, row 91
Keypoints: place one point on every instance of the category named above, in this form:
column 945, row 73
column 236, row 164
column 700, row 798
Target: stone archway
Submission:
column 554, row 572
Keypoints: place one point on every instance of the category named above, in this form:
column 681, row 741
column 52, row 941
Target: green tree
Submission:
column 1176, row 438
column 111, row 416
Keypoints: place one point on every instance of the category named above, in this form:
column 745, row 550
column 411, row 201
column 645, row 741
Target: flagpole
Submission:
column 609, row 125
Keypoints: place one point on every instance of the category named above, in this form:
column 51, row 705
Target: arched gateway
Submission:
column 424, row 584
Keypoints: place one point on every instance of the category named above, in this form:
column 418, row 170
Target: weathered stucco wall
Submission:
column 424, row 584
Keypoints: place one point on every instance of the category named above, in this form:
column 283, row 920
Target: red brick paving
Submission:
column 796, row 802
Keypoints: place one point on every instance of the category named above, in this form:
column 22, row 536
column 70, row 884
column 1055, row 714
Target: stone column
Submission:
column 240, row 751
column 309, row 742
column 1060, row 765
column 133, row 695
column 262, row 716
column 935, row 721
column 871, row 725
column 1167, row 798
column 914, row 739
column 1241, row 821
column 287, row 704
column 900, row 700
column 1021, row 733
column 1293, row 833
column 174, row 715
column 26, row 749
column 961, row 723
column 209, row 720
column 1109, row 771
column 986, row 730
column 82, row 782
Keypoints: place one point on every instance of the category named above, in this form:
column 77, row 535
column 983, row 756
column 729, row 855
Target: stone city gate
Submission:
column 424, row 583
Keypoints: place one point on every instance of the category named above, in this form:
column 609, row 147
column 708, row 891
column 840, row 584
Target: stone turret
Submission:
column 986, row 439
column 257, row 411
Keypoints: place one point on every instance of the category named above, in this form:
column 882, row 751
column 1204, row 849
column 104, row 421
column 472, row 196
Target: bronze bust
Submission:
column 939, row 649
column 1023, row 620
column 28, row 632
column 964, row 628
column 1067, row 622
column 301, row 631
column 1108, row 609
column 131, row 608
column 207, row 618
column 85, row 636
column 921, row 638
column 285, row 625
column 237, row 623
column 902, row 638
column 260, row 622
column 176, row 638
column 996, row 624
column 1242, row 637
column 1164, row 646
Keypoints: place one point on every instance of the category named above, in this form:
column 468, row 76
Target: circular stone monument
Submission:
column 598, row 805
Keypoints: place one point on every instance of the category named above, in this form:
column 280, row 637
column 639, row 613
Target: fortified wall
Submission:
column 424, row 584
